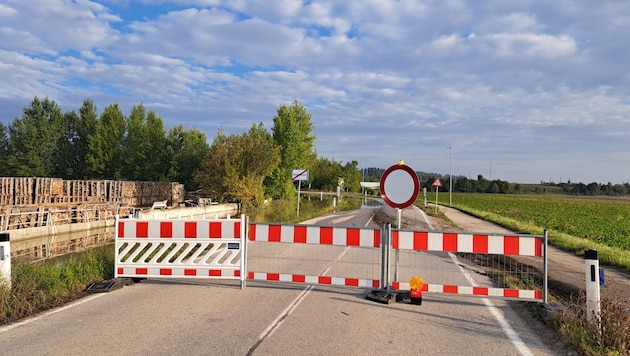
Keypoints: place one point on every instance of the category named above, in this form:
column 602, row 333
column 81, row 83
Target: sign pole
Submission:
column 437, row 184
column 437, row 191
column 399, row 188
column 298, row 202
column 299, row 175
column 399, row 211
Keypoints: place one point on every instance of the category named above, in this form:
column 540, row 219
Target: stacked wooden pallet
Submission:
column 44, row 191
column 24, row 191
column 6, row 190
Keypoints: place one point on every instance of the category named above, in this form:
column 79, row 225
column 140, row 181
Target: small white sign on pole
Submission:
column 299, row 174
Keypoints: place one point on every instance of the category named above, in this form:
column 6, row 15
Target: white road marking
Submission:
column 496, row 313
column 275, row 324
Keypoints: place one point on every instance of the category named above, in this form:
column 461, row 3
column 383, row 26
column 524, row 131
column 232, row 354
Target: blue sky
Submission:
column 524, row 91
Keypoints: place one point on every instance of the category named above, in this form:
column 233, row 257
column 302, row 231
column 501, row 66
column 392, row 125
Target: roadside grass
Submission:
column 39, row 286
column 285, row 211
column 611, row 336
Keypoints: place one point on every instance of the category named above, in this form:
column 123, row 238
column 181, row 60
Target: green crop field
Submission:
column 573, row 223
column 602, row 221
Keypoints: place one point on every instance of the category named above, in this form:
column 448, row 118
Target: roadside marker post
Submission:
column 5, row 259
column 593, row 304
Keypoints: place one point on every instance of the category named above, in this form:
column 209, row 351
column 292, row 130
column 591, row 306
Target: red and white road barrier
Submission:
column 183, row 248
column 507, row 293
column 310, row 234
column 518, row 245
column 180, row 248
column 325, row 280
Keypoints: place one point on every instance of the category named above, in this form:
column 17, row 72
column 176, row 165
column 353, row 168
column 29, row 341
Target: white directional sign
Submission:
column 299, row 174
column 399, row 186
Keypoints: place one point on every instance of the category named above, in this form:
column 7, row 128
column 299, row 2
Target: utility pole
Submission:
column 450, row 175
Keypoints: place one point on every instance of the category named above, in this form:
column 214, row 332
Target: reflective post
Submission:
column 5, row 260
column 593, row 305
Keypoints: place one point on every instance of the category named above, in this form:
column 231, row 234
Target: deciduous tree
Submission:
column 4, row 148
column 293, row 133
column 236, row 165
column 144, row 145
column 74, row 146
column 105, row 157
column 185, row 150
column 34, row 139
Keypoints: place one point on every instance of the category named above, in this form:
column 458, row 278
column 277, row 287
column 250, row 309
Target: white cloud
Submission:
column 7, row 11
column 532, row 45
column 512, row 80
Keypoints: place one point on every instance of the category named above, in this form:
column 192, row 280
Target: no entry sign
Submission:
column 399, row 186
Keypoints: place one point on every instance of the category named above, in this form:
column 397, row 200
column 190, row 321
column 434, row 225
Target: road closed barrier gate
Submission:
column 315, row 255
column 180, row 248
column 513, row 266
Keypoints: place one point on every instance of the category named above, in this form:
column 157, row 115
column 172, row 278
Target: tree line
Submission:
column 246, row 167
column 464, row 184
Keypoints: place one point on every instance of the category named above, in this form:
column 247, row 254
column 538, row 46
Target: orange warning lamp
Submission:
column 416, row 284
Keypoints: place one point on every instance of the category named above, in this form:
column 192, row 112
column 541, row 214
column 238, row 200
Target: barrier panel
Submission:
column 310, row 254
column 519, row 259
column 181, row 248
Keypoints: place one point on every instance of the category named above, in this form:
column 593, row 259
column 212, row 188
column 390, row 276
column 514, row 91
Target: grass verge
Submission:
column 43, row 285
column 611, row 336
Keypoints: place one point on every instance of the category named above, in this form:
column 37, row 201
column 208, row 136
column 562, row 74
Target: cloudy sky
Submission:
column 524, row 91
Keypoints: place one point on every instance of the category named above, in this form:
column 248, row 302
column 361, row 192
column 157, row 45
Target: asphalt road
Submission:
column 210, row 317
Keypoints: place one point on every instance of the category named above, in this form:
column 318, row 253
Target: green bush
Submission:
column 39, row 286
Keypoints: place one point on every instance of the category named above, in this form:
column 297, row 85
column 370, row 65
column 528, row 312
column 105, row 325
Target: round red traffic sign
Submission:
column 399, row 186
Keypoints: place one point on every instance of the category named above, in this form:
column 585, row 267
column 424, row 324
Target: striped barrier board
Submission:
column 518, row 245
column 178, row 229
column 325, row 280
column 310, row 234
column 180, row 248
column 507, row 293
